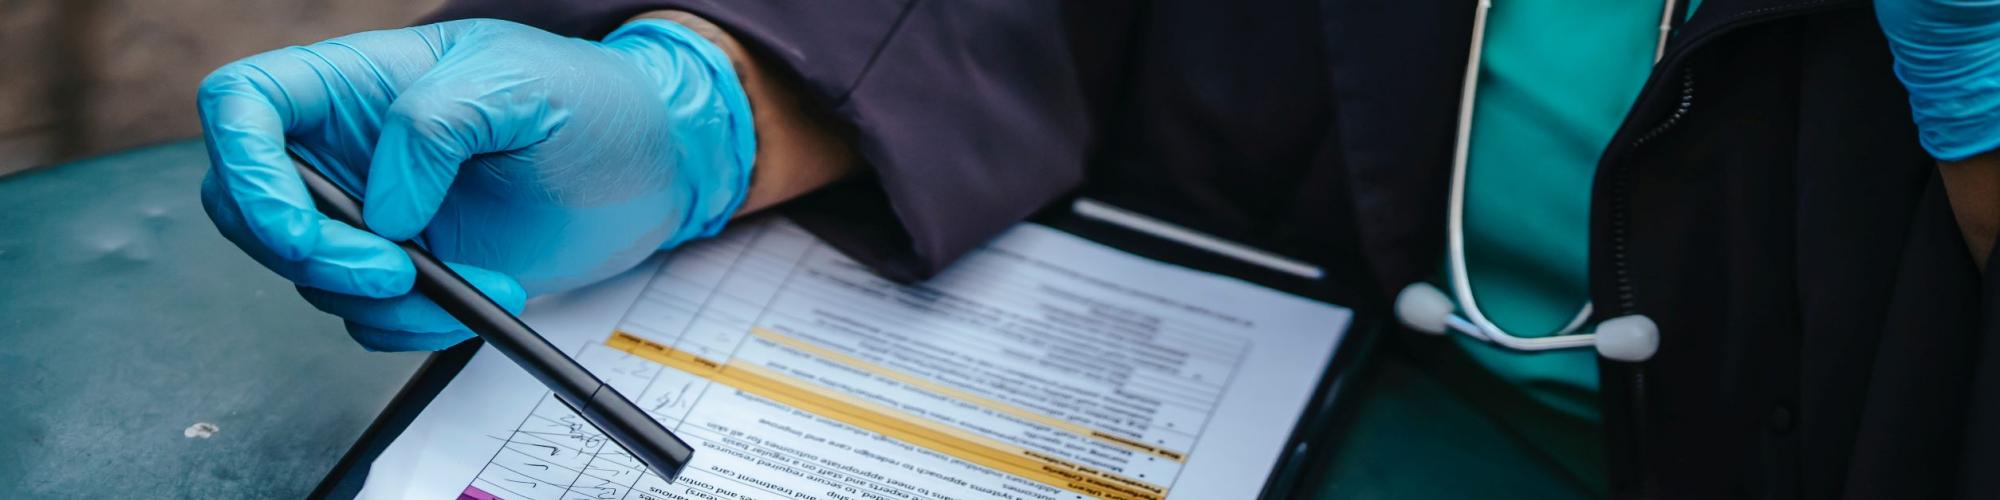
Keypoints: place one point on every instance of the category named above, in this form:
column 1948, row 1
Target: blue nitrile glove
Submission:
column 1948, row 56
column 532, row 162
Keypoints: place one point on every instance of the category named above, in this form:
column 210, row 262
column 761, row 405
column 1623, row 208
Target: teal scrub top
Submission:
column 1556, row 79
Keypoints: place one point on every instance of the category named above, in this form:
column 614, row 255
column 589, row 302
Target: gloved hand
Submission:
column 1948, row 56
column 531, row 162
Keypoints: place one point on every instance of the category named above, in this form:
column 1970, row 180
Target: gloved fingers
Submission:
column 244, row 117
column 413, row 313
column 381, row 340
column 460, row 109
column 323, row 98
column 343, row 259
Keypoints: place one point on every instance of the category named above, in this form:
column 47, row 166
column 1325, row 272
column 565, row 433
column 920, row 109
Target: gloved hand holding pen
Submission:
column 532, row 162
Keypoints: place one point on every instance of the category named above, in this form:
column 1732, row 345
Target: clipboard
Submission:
column 1327, row 413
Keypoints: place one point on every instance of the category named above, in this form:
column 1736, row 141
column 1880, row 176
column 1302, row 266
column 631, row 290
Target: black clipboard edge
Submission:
column 1326, row 413
column 438, row 370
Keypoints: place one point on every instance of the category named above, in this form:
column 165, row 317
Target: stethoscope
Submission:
column 1422, row 307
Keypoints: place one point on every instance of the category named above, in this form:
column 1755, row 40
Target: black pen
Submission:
column 597, row 402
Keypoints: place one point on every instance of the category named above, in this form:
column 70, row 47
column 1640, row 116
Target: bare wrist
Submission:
column 1973, row 186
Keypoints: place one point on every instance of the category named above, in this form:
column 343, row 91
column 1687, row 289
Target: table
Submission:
column 125, row 318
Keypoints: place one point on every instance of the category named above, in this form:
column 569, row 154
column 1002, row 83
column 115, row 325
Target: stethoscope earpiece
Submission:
column 1424, row 308
column 1631, row 338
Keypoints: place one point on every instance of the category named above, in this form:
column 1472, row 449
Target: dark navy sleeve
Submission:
column 967, row 113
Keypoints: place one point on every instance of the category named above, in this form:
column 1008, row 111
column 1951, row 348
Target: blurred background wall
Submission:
column 85, row 77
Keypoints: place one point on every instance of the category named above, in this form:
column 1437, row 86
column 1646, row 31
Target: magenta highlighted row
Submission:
column 474, row 493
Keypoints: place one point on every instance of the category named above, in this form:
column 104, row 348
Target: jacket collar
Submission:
column 1714, row 17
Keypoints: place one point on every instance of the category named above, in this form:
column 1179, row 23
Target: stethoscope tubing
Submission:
column 1474, row 322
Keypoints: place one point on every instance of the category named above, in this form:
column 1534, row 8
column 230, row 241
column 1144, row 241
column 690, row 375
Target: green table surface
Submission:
column 125, row 318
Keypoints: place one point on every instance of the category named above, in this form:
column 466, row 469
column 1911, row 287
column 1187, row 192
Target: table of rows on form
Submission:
column 796, row 373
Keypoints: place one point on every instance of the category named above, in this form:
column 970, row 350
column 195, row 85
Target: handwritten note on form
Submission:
column 1043, row 366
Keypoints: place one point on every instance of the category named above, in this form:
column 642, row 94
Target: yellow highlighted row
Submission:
column 962, row 395
column 895, row 424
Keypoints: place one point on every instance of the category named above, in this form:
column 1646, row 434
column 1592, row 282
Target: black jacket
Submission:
column 1823, row 330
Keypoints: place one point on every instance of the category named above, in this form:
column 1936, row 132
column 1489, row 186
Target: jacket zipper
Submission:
column 1627, row 300
column 1621, row 267
column 1620, row 207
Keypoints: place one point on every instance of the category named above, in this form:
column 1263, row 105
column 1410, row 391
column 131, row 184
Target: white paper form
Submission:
column 1043, row 366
